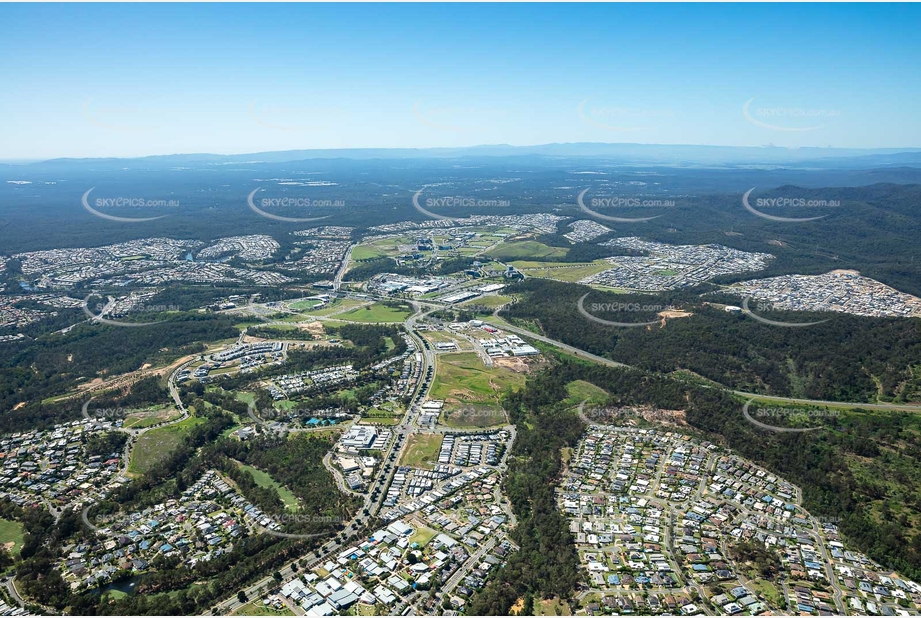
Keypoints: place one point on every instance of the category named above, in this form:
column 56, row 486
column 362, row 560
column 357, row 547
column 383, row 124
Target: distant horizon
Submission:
column 132, row 80
column 766, row 147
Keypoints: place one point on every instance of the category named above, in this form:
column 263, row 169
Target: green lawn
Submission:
column 469, row 250
column 388, row 414
column 769, row 591
column 562, row 271
column 385, row 247
column 247, row 398
column 440, row 336
column 422, row 536
column 339, row 304
column 488, row 301
column 376, row 313
column 11, row 532
column 421, row 450
column 263, row 479
column 157, row 444
column 382, row 420
column 368, row 252
column 526, row 249
column 552, row 607
column 580, row 390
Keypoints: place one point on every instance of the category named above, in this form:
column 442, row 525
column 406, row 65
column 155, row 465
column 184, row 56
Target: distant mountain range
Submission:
column 623, row 154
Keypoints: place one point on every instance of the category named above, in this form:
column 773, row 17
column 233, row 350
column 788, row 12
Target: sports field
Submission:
column 11, row 535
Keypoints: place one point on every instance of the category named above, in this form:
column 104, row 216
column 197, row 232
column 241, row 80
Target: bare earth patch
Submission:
column 672, row 314
column 516, row 364
column 675, row 313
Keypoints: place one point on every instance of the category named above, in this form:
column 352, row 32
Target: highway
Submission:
column 337, row 281
column 791, row 400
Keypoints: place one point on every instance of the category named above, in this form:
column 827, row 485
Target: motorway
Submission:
column 791, row 400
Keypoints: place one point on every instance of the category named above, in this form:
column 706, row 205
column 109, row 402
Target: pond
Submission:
column 126, row 586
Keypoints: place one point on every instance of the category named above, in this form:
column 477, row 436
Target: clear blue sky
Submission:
column 130, row 80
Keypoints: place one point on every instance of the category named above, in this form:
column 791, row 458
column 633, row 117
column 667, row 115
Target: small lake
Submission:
column 125, row 586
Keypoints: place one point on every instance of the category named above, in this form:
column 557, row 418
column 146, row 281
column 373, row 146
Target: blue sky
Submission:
column 132, row 80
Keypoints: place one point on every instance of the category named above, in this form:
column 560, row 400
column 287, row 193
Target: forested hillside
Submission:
column 847, row 358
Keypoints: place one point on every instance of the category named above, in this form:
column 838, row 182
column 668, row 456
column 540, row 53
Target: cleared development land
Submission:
column 526, row 249
column 561, row 271
column 376, row 313
column 148, row 418
column 421, row 450
column 471, row 391
column 157, row 444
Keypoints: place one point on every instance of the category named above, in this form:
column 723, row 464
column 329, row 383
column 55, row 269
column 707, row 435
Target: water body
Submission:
column 125, row 586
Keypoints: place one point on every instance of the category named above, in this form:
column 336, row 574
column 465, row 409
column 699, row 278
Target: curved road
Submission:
column 907, row 407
